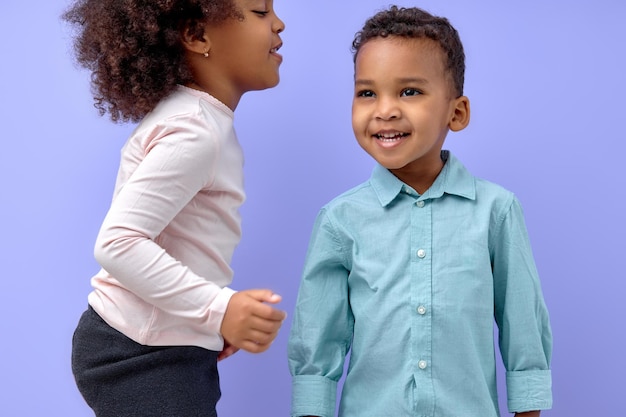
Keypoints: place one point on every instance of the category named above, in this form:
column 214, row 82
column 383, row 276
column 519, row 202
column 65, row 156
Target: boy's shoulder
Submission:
column 460, row 179
column 487, row 187
column 361, row 193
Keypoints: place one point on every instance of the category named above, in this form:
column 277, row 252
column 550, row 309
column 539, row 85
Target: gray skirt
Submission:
column 119, row 377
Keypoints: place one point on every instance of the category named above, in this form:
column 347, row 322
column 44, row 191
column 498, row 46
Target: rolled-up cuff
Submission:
column 529, row 390
column 313, row 395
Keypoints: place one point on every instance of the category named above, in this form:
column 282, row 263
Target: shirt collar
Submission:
column 454, row 178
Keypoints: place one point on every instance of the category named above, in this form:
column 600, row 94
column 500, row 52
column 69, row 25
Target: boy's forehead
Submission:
column 394, row 61
column 419, row 51
column 418, row 44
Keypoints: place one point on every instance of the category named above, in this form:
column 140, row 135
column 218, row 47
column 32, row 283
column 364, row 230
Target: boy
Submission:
column 408, row 270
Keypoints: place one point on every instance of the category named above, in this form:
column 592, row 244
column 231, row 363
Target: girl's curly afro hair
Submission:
column 416, row 23
column 133, row 48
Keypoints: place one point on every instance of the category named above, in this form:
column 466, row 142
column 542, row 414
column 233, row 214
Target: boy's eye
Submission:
column 409, row 92
column 261, row 12
column 365, row 93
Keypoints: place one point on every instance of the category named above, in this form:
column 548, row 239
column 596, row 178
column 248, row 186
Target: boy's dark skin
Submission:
column 403, row 107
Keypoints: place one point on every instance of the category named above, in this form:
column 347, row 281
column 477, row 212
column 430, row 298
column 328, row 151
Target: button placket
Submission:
column 421, row 300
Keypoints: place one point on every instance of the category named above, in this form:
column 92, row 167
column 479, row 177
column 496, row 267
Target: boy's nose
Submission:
column 387, row 110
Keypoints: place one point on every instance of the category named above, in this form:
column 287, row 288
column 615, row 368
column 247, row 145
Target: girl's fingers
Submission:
column 268, row 312
column 254, row 347
column 265, row 326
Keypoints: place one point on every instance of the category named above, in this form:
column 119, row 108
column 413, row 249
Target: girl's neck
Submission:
column 231, row 101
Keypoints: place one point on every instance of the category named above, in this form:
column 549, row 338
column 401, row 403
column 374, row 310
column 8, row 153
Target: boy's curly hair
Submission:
column 133, row 48
column 416, row 23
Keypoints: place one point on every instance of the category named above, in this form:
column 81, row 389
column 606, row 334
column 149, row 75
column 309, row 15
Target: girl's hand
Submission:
column 229, row 350
column 528, row 414
column 249, row 323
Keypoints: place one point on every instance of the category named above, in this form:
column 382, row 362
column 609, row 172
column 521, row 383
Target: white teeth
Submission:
column 390, row 137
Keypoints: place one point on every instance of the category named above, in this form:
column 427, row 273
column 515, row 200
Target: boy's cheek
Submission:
column 359, row 120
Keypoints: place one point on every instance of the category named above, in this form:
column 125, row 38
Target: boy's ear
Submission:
column 193, row 42
column 461, row 116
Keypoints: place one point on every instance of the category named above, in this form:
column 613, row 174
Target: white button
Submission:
column 422, row 364
column 420, row 204
column 421, row 253
column 421, row 310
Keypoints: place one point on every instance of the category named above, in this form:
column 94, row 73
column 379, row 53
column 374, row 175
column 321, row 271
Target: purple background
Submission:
column 546, row 83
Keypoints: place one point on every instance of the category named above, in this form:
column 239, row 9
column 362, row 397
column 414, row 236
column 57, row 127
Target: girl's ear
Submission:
column 461, row 116
column 196, row 40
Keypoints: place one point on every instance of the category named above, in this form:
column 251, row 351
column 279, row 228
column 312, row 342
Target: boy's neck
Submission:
column 419, row 179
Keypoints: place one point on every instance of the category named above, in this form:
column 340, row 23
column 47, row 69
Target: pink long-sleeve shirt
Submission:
column 166, row 243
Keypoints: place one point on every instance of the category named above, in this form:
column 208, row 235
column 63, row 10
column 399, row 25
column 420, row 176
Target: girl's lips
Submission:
column 279, row 57
column 274, row 53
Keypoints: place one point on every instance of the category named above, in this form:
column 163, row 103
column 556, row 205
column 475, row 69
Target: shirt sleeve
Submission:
column 178, row 161
column 322, row 326
column 525, row 336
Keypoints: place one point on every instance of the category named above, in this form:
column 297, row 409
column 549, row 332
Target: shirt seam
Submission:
column 334, row 236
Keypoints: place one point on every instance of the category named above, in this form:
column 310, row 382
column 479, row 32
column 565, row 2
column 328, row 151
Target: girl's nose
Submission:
column 279, row 25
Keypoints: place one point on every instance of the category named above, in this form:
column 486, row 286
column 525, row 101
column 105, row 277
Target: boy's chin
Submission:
column 385, row 163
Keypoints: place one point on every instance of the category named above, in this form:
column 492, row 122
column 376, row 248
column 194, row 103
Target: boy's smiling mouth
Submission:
column 389, row 137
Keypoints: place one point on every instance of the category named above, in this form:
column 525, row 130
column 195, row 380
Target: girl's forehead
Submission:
column 254, row 2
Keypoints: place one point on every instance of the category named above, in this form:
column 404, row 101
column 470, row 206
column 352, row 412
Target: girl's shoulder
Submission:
column 185, row 101
column 185, row 119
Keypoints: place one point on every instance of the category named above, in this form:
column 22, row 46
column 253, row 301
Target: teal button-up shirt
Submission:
column 410, row 284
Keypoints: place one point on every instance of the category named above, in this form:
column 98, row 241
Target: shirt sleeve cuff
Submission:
column 218, row 308
column 529, row 390
column 313, row 395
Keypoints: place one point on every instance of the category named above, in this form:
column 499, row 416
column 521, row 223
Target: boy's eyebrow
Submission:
column 413, row 80
column 408, row 80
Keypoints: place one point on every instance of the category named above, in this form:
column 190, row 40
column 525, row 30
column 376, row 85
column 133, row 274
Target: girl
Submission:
column 160, row 315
